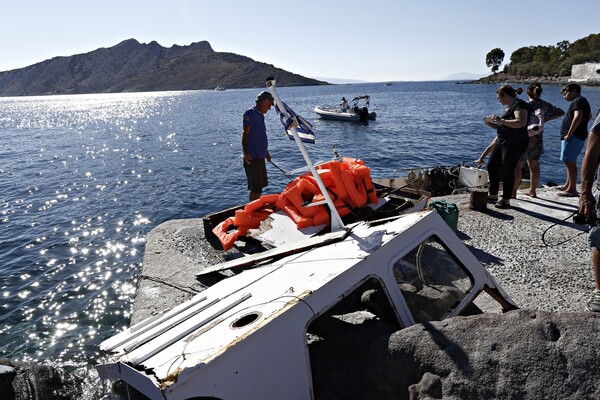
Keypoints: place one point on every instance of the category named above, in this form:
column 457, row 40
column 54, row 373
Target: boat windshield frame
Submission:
column 354, row 102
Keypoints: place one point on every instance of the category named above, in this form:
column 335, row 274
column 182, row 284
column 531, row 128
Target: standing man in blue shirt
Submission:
column 573, row 133
column 255, row 144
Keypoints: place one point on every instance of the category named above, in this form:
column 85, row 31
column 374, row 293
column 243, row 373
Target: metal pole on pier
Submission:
column 336, row 220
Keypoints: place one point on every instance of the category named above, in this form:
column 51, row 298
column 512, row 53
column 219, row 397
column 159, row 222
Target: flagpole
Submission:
column 336, row 220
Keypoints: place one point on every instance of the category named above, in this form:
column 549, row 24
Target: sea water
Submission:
column 84, row 178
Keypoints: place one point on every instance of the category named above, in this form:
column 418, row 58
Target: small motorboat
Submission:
column 358, row 111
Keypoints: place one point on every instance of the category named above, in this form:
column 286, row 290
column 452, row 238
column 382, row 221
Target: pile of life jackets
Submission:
column 348, row 183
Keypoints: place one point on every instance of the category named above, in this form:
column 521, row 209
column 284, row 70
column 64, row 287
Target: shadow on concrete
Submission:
column 567, row 221
column 555, row 205
column 484, row 257
column 497, row 214
column 463, row 236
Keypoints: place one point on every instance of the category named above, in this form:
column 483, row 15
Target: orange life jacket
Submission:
column 348, row 182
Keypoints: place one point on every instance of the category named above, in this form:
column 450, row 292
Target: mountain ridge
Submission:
column 131, row 66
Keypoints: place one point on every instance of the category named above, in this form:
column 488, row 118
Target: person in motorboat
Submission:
column 344, row 104
column 255, row 144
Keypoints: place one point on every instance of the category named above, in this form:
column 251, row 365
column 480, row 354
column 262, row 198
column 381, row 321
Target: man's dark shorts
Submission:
column 256, row 172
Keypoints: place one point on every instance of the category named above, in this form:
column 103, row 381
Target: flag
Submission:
column 289, row 118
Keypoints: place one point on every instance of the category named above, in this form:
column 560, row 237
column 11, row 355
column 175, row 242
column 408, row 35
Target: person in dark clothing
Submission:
column 511, row 141
column 540, row 112
column 573, row 133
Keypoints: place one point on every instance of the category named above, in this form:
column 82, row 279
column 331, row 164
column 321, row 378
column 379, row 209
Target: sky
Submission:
column 372, row 41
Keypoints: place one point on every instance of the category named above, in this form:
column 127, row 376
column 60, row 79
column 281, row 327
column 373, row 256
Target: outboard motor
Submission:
column 363, row 114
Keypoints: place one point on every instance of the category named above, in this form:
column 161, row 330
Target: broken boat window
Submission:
column 484, row 302
column 339, row 340
column 432, row 280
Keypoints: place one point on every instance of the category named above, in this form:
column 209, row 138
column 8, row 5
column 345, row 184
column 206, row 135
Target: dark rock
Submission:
column 523, row 354
column 131, row 66
column 429, row 387
column 7, row 375
column 35, row 381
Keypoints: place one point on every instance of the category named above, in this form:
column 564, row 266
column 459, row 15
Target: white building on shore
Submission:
column 588, row 72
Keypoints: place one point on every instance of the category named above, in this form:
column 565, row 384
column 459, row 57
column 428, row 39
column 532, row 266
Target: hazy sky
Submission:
column 363, row 40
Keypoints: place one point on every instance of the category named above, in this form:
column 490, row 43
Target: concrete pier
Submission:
column 538, row 274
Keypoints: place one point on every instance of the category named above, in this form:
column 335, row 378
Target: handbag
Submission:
column 535, row 123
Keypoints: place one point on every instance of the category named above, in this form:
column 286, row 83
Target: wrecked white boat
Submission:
column 251, row 335
column 278, row 328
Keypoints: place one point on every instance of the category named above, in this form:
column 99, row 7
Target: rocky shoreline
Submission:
column 504, row 78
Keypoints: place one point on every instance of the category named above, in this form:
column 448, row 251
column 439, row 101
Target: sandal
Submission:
column 567, row 194
column 530, row 194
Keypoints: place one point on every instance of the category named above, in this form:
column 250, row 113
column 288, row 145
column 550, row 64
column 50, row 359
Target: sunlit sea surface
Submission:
column 84, row 178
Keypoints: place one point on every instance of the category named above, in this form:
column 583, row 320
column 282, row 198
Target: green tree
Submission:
column 554, row 54
column 594, row 41
column 542, row 54
column 563, row 49
column 523, row 55
column 494, row 59
column 580, row 47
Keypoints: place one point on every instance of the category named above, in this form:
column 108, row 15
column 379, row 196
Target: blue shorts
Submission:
column 570, row 149
column 594, row 235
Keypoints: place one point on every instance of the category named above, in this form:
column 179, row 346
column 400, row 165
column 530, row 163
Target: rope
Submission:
column 286, row 173
column 186, row 289
column 564, row 241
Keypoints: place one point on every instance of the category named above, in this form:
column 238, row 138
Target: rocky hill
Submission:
column 131, row 66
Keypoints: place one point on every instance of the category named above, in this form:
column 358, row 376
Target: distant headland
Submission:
column 131, row 66
column 557, row 64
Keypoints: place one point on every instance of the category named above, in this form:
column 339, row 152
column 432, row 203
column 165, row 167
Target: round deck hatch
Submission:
column 246, row 320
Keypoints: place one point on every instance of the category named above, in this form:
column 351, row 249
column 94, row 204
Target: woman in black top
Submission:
column 511, row 142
